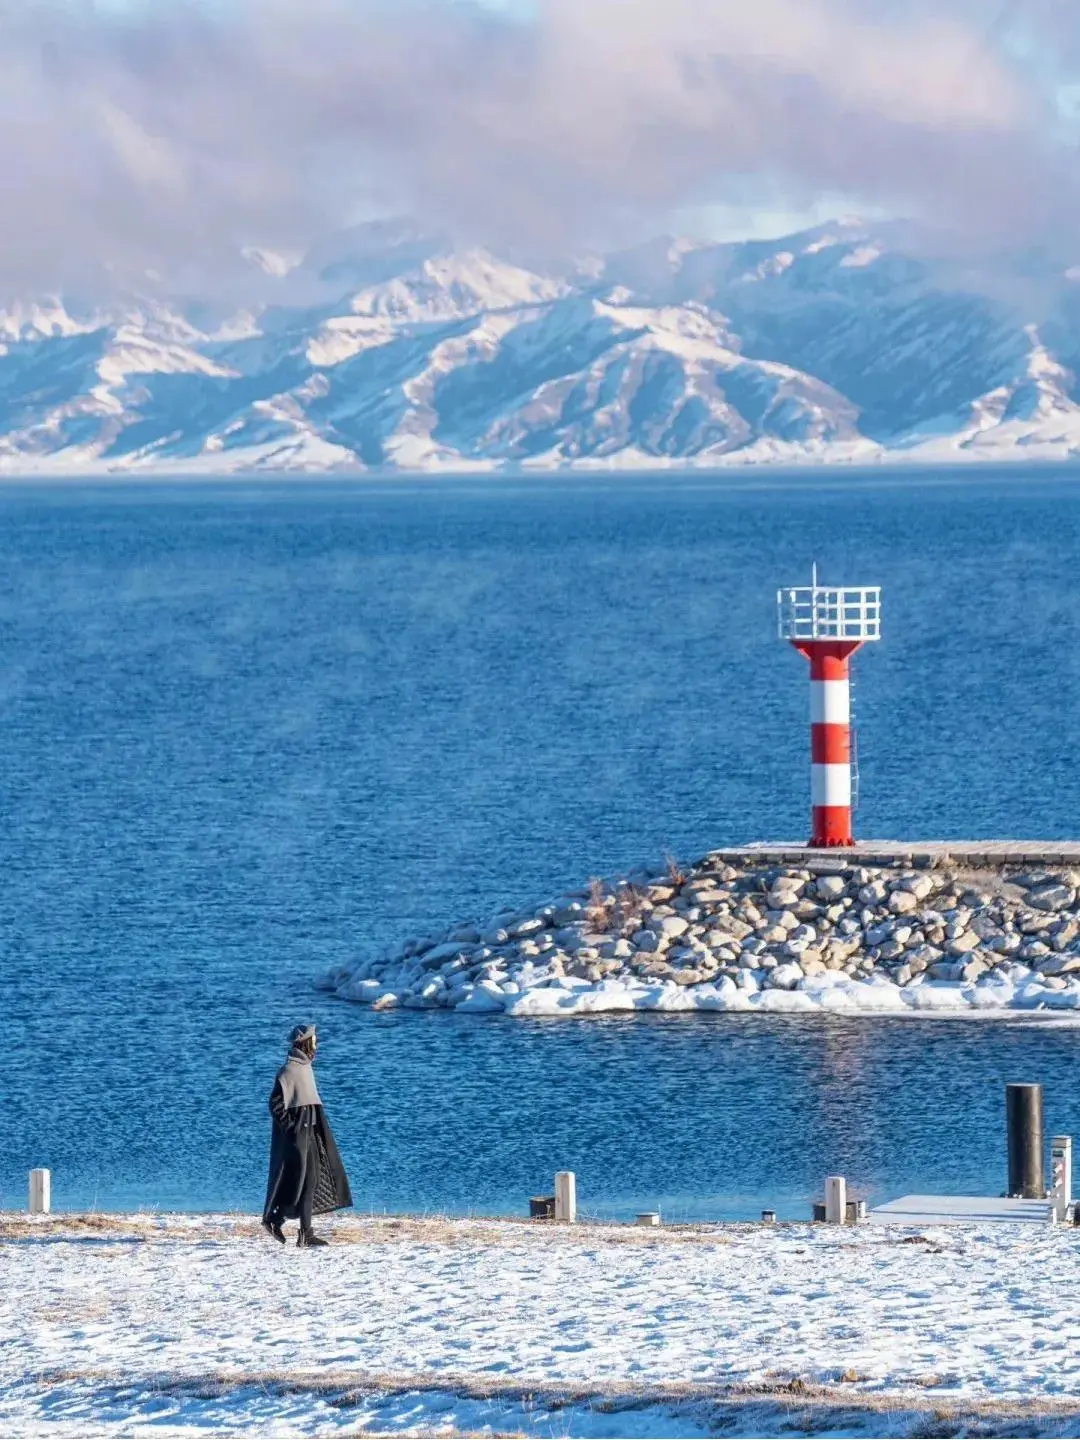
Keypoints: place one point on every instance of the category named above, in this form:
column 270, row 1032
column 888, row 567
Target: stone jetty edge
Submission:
column 899, row 932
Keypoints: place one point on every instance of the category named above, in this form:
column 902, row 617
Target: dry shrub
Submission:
column 597, row 910
column 676, row 874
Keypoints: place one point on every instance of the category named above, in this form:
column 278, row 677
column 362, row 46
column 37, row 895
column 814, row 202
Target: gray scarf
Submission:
column 298, row 1081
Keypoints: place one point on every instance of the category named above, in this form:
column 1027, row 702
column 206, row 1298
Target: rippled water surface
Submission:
column 246, row 731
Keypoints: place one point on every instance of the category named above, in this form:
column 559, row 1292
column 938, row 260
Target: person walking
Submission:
column 307, row 1177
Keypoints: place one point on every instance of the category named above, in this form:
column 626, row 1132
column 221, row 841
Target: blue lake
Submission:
column 249, row 730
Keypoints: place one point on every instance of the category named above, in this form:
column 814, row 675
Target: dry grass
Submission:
column 13, row 1224
column 676, row 873
column 628, row 914
column 440, row 1230
column 817, row 1407
column 358, row 1230
column 596, row 912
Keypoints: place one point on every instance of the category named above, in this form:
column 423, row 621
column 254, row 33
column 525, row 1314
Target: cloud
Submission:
column 171, row 134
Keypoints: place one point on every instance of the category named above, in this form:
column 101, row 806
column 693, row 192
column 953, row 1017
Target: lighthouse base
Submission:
column 832, row 828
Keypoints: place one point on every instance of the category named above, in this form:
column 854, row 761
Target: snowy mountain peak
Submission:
column 272, row 262
column 399, row 350
column 451, row 286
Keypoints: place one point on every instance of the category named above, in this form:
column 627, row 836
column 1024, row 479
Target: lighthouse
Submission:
column 828, row 624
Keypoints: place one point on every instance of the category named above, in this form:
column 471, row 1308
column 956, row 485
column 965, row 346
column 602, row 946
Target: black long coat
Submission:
column 302, row 1140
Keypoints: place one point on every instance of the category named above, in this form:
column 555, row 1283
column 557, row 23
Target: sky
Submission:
column 166, row 135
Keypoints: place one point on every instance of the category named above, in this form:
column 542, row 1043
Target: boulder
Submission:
column 778, row 899
column 829, row 887
column 903, row 902
column 985, row 927
column 949, row 970
column 564, row 915
column 785, row 977
column 708, row 898
column 723, row 940
column 1033, row 950
column 918, row 885
column 1003, row 944
column 648, row 941
column 435, row 959
column 1058, row 964
column 921, row 957
column 963, row 944
column 1065, row 933
column 1054, row 896
column 807, row 909
column 658, row 970
column 845, row 948
column 976, row 899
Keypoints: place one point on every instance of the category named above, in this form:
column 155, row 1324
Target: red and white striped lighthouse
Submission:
column 827, row 625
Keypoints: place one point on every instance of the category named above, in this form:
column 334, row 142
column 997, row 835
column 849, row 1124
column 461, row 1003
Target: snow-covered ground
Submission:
column 179, row 1325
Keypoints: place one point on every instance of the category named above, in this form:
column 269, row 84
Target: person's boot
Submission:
column 272, row 1227
column 307, row 1240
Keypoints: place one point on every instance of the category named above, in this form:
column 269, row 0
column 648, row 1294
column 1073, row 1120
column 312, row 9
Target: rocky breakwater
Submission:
column 749, row 936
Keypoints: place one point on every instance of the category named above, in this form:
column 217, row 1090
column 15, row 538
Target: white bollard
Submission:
column 566, row 1197
column 40, row 1192
column 1061, row 1175
column 835, row 1200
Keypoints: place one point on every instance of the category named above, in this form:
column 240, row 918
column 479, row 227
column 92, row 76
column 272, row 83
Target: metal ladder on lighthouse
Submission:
column 854, row 745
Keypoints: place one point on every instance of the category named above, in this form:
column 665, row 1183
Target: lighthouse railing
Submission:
column 826, row 612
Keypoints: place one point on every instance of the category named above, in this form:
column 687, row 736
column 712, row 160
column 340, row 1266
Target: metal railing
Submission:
column 827, row 612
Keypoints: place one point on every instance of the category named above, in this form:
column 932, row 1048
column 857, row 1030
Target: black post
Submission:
column 1024, row 1115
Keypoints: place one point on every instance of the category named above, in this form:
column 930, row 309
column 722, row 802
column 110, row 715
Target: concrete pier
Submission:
column 917, row 854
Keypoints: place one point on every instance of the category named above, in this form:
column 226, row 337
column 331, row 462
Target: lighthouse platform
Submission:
column 916, row 854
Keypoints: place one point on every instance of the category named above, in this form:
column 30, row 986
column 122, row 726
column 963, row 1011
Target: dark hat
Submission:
column 300, row 1033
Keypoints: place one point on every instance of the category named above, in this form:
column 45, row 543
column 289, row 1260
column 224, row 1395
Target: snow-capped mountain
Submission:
column 387, row 348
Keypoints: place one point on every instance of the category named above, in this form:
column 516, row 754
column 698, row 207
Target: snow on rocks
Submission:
column 842, row 938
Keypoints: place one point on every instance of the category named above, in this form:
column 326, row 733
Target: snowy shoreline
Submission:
column 183, row 1325
column 827, row 937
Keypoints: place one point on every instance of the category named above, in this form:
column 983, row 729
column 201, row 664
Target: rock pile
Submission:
column 743, row 937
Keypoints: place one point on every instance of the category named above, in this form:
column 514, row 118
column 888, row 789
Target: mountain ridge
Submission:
column 387, row 350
